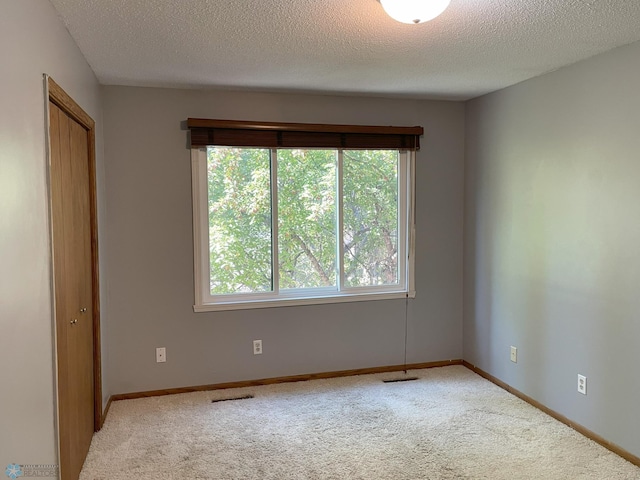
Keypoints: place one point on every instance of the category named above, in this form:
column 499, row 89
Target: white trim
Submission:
column 292, row 302
column 200, row 218
column 275, row 245
column 411, row 226
column 340, row 222
column 403, row 218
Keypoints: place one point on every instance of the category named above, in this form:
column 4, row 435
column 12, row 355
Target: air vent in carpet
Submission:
column 405, row 379
column 244, row 397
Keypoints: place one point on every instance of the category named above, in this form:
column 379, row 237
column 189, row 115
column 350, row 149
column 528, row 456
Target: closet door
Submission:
column 73, row 277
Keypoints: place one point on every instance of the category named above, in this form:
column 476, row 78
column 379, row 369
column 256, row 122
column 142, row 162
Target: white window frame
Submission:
column 205, row 302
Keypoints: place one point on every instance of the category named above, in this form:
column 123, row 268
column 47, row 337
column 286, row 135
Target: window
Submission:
column 291, row 225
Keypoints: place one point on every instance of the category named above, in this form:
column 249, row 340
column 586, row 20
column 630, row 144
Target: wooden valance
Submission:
column 232, row 133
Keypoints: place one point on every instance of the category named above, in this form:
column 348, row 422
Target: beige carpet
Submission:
column 449, row 424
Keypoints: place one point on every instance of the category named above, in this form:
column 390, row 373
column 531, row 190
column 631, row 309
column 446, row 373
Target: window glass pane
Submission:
column 370, row 203
column 307, row 218
column 239, row 203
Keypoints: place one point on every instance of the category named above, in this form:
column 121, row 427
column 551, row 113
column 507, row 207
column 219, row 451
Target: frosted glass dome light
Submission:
column 414, row 11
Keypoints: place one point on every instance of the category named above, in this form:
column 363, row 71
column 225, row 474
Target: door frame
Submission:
column 54, row 93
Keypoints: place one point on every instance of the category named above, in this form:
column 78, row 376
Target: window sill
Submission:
column 294, row 302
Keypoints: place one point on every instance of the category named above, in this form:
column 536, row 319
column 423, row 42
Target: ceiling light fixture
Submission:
column 414, row 11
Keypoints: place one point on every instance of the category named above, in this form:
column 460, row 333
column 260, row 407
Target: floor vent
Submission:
column 244, row 397
column 405, row 379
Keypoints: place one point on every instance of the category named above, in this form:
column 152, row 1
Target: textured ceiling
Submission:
column 341, row 46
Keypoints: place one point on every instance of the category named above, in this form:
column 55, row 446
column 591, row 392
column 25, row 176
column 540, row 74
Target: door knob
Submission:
column 83, row 310
column 74, row 321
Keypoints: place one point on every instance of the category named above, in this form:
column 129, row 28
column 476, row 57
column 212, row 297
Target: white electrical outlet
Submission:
column 257, row 347
column 582, row 384
column 161, row 355
column 514, row 354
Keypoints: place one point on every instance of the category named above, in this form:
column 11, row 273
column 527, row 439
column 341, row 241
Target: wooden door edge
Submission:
column 59, row 97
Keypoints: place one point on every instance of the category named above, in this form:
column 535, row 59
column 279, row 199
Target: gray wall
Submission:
column 32, row 41
column 151, row 254
column 552, row 240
